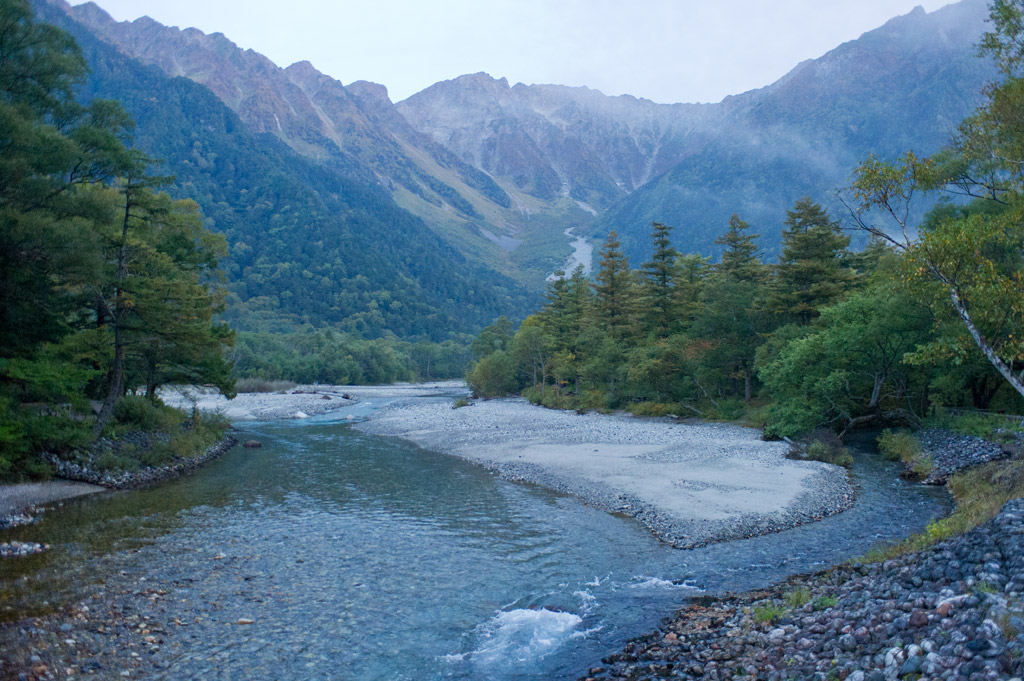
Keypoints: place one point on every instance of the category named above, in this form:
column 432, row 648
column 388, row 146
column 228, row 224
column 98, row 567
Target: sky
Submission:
column 664, row 50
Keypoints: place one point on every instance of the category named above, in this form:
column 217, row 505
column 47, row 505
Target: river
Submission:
column 362, row 557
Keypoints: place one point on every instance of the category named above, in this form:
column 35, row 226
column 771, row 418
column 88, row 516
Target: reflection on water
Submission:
column 362, row 557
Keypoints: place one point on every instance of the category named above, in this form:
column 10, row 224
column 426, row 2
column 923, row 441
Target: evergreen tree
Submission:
column 614, row 301
column 812, row 271
column 741, row 257
column 658, row 283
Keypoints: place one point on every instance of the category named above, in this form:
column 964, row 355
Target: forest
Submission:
column 925, row 319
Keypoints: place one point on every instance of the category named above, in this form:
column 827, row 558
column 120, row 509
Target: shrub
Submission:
column 139, row 412
column 261, row 385
column 825, row 446
column 459, row 403
column 653, row 408
column 493, row 376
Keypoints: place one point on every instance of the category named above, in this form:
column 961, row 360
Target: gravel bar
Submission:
column 690, row 484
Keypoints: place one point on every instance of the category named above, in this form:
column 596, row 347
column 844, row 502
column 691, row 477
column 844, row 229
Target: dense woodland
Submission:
column 112, row 283
column 921, row 319
column 106, row 282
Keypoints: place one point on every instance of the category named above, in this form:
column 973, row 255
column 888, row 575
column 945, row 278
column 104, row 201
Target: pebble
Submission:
column 885, row 624
column 18, row 548
column 952, row 452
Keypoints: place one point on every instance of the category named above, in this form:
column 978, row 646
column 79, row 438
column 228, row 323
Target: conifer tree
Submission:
column 613, row 291
column 741, row 257
column 658, row 283
column 812, row 271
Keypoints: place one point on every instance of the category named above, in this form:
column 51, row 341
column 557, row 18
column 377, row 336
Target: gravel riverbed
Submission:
column 690, row 484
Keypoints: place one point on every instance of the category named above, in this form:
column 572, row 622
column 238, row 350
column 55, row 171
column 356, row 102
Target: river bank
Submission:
column 690, row 484
column 952, row 611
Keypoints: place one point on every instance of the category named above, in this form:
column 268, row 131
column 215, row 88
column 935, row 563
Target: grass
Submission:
column 987, row 426
column 798, row 598
column 825, row 602
column 979, row 494
column 903, row 446
column 769, row 612
column 459, row 403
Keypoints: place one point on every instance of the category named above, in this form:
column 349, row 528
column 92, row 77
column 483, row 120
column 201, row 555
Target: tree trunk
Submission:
column 117, row 321
column 990, row 354
column 116, row 385
column 746, row 386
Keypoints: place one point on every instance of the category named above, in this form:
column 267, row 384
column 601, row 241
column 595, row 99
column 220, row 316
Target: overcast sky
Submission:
column 664, row 50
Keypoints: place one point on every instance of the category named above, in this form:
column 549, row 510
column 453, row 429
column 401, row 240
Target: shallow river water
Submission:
column 361, row 557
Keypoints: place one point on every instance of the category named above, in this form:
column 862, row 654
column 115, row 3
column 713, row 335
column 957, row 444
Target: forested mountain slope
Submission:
column 310, row 243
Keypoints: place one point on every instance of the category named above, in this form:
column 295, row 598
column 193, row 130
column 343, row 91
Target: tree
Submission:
column 658, row 283
column 614, row 304
column 492, row 338
column 741, row 258
column 812, row 271
column 973, row 255
column 849, row 370
column 730, row 318
column 99, row 274
column 493, row 376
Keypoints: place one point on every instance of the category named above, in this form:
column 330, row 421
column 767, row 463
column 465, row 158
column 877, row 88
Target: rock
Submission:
column 252, row 444
column 918, row 618
column 245, row 620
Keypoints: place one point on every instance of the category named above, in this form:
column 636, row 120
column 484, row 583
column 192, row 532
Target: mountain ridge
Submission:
column 488, row 164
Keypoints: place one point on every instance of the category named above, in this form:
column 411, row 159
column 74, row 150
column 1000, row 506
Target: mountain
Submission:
column 500, row 171
column 310, row 243
column 353, row 128
column 902, row 86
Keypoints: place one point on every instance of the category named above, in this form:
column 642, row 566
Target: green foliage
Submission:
column 769, row 612
column 326, row 357
column 799, row 597
column 614, row 294
column 986, row 426
column 811, row 273
column 493, row 376
column 460, row 403
column 136, row 411
column 104, row 280
column 850, row 369
column 825, row 602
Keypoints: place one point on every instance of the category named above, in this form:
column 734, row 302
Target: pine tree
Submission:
column 812, row 271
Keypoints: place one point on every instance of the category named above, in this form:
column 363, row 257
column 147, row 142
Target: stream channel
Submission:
column 367, row 558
